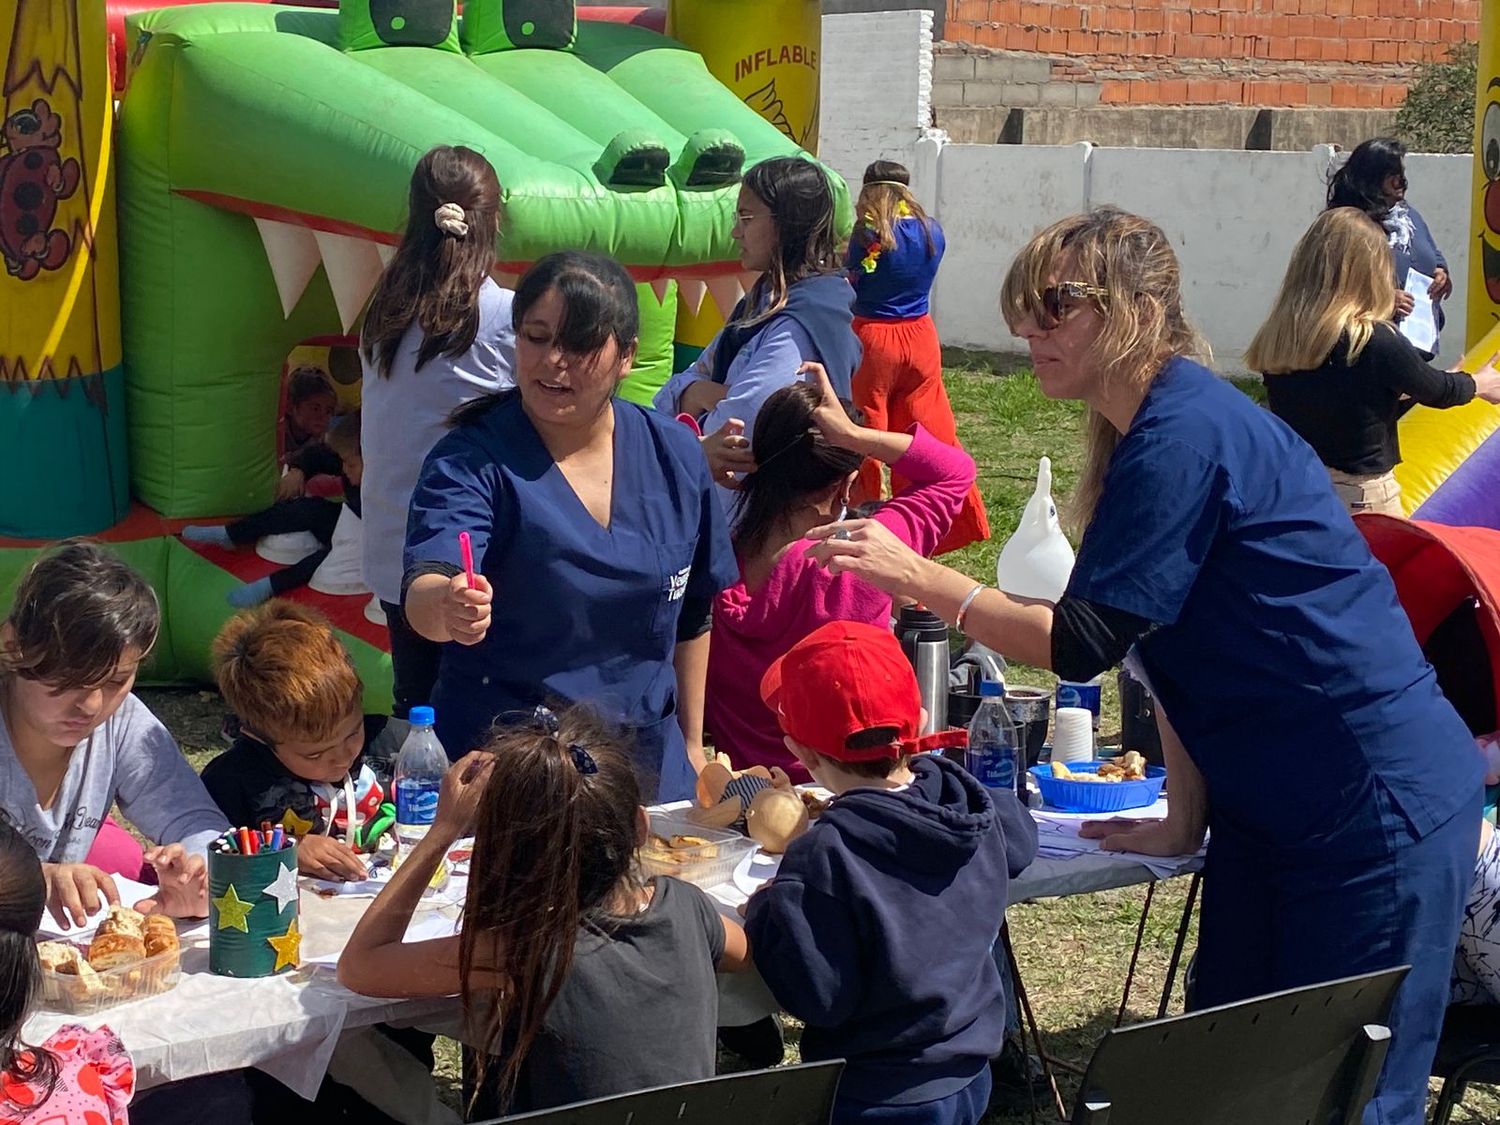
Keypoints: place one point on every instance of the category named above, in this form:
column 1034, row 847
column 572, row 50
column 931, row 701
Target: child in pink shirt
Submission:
column 76, row 1077
column 808, row 451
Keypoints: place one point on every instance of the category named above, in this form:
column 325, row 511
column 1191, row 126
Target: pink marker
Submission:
column 466, row 549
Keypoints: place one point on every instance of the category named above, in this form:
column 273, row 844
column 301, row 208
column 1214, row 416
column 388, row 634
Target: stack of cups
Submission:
column 1073, row 735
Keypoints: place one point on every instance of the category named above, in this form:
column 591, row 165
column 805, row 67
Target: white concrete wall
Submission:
column 876, row 88
column 1233, row 218
column 991, row 199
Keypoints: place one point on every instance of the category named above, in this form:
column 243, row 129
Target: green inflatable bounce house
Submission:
column 263, row 153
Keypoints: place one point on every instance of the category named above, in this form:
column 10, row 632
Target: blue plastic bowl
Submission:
column 1097, row 796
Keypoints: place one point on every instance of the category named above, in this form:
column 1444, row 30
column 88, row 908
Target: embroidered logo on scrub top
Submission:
column 677, row 584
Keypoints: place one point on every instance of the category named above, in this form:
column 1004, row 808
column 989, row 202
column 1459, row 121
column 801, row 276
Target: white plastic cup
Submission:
column 1073, row 735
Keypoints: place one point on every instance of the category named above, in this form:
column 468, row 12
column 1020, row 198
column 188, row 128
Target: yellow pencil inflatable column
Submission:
column 62, row 428
column 767, row 52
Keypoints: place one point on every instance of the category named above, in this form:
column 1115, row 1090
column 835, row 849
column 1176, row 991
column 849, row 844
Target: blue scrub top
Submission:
column 1281, row 654
column 581, row 613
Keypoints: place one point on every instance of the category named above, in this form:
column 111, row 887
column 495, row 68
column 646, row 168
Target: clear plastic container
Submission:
column 105, row 988
column 705, row 865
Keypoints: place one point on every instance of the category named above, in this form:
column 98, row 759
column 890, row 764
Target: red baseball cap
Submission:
column 842, row 678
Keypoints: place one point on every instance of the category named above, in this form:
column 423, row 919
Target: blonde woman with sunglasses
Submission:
column 1335, row 368
column 1307, row 730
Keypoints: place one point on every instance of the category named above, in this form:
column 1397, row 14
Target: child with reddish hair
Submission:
column 303, row 731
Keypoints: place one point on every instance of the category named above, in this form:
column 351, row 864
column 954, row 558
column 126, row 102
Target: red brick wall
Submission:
column 1244, row 52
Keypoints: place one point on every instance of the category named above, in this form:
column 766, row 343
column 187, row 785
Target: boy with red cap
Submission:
column 877, row 930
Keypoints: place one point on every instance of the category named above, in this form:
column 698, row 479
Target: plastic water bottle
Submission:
column 419, row 776
column 994, row 754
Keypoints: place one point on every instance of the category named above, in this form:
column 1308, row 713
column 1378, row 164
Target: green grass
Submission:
column 1073, row 952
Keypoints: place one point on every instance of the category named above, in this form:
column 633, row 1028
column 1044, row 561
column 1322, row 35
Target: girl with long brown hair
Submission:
column 1213, row 546
column 567, row 951
column 892, row 261
column 437, row 334
column 797, row 311
column 809, row 448
column 1337, row 371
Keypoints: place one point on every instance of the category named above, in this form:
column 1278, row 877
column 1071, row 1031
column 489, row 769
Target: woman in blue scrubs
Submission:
column 597, row 538
column 1343, row 790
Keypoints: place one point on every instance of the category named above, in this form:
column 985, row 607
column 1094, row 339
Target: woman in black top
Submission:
column 1335, row 369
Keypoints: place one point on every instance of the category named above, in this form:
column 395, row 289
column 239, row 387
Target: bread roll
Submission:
column 109, row 951
column 161, row 936
column 123, row 920
column 58, row 957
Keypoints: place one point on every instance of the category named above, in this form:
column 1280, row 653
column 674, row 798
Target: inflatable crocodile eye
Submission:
column 25, row 122
column 1489, row 141
column 364, row 24
column 498, row 25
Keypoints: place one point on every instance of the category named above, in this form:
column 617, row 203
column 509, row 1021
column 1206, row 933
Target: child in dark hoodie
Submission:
column 877, row 930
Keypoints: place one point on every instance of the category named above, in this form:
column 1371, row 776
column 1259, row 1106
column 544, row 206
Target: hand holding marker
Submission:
column 466, row 552
column 468, row 606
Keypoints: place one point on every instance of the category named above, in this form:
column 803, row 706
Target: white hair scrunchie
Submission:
column 450, row 220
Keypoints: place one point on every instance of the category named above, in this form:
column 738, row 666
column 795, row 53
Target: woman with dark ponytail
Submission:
column 42, row 1083
column 809, row 448
column 797, row 311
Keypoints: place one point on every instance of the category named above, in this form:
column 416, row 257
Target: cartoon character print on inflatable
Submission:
column 34, row 178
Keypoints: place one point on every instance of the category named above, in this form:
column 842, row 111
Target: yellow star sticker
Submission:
column 233, row 911
column 294, row 825
column 288, row 947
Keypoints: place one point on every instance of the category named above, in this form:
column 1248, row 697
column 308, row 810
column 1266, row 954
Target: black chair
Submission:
column 1310, row 1055
column 1469, row 1051
column 784, row 1095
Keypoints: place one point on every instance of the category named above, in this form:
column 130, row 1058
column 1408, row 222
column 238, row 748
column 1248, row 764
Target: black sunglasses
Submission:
column 1056, row 300
column 543, row 720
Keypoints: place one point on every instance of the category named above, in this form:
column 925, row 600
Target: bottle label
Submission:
column 993, row 765
column 416, row 801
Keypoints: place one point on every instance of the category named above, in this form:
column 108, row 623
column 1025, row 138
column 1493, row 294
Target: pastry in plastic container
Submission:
column 691, row 852
column 129, row 957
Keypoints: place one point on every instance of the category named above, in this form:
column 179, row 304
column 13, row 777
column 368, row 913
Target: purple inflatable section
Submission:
column 1470, row 497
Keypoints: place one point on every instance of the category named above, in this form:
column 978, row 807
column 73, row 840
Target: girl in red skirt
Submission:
column 892, row 260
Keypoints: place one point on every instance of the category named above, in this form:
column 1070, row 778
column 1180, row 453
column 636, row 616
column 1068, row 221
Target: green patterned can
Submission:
column 252, row 913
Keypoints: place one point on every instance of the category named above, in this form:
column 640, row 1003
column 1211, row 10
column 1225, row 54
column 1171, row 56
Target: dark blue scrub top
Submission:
column 1282, row 656
column 581, row 613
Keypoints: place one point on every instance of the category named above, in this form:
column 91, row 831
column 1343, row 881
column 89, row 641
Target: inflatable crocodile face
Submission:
column 265, row 154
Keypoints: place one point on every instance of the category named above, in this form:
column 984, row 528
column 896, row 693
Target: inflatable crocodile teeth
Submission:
column 265, row 153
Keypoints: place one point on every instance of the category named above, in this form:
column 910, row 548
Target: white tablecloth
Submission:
column 289, row 1026
column 286, row 1026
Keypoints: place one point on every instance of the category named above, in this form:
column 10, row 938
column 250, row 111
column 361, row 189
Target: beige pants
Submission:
column 1377, row 492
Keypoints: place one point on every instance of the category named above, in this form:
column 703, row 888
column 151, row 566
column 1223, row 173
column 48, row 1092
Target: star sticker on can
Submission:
column 233, row 911
column 283, row 888
column 288, row 947
column 294, row 824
